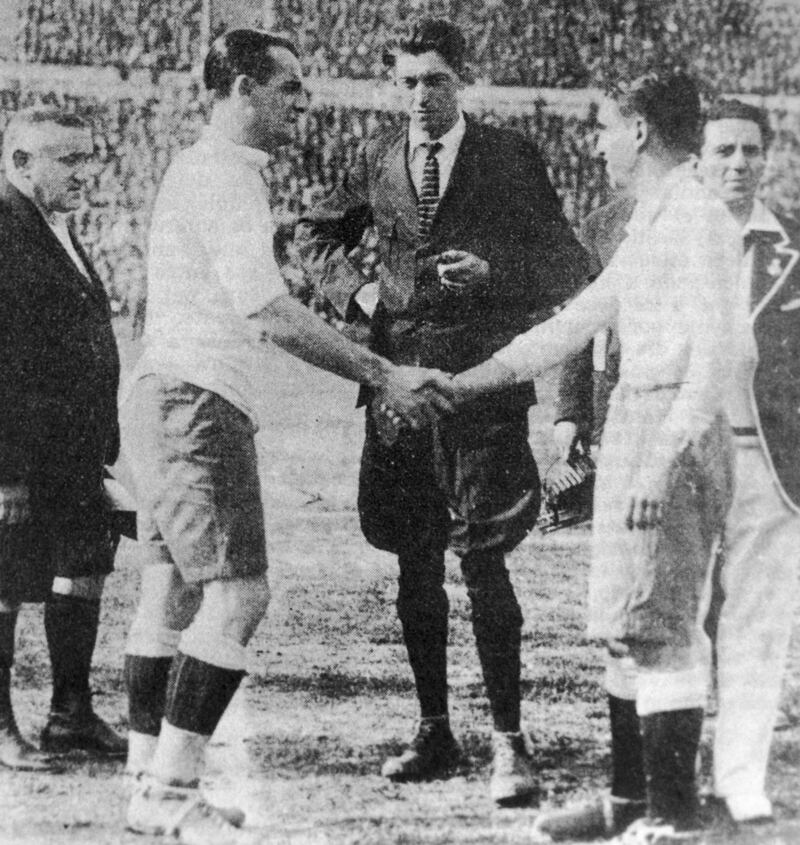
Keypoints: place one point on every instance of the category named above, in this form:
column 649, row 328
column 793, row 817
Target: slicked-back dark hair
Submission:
column 243, row 51
column 732, row 109
column 432, row 34
column 669, row 102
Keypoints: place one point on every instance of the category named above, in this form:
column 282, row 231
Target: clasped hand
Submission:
column 412, row 397
column 462, row 272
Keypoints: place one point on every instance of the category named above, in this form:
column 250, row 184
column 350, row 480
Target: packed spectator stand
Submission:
column 740, row 46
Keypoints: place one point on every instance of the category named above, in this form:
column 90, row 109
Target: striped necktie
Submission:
column 429, row 192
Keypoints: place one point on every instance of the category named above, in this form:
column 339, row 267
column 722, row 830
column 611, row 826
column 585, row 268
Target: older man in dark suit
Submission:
column 471, row 241
column 58, row 429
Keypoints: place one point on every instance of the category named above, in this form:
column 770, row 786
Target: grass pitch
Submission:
column 330, row 693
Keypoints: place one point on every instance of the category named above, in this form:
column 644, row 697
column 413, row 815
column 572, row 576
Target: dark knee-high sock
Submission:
column 497, row 623
column 627, row 757
column 146, row 681
column 8, row 624
column 670, row 741
column 423, row 610
column 70, row 625
column 198, row 693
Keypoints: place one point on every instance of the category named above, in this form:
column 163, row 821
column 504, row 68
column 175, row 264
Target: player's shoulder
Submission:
column 616, row 210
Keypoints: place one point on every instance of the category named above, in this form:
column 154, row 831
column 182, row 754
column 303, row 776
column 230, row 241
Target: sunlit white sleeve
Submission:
column 548, row 343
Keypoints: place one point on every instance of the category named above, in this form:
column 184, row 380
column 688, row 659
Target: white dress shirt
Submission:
column 669, row 287
column 211, row 266
column 60, row 229
column 418, row 152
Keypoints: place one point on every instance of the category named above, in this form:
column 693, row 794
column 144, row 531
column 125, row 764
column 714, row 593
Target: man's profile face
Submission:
column 277, row 104
column 616, row 142
column 431, row 88
column 54, row 169
column 732, row 159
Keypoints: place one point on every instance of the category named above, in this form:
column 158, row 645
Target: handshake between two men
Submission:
column 415, row 397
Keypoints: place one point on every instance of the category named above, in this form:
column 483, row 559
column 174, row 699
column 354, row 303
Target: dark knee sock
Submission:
column 497, row 624
column 8, row 622
column 423, row 610
column 198, row 693
column 670, row 741
column 146, row 681
column 70, row 625
column 627, row 760
column 8, row 627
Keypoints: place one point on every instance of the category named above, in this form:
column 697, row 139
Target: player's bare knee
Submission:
column 167, row 605
column 239, row 603
column 227, row 618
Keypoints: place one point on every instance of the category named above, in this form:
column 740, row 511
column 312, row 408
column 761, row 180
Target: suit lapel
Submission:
column 779, row 268
column 33, row 222
column 398, row 189
column 94, row 280
column 463, row 173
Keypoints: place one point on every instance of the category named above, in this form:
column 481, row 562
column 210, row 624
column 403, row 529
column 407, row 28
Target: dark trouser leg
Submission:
column 70, row 625
column 497, row 623
column 627, row 760
column 670, row 743
column 15, row 752
column 423, row 610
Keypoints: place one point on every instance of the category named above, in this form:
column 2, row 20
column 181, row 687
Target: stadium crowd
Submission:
column 158, row 35
column 737, row 45
column 135, row 143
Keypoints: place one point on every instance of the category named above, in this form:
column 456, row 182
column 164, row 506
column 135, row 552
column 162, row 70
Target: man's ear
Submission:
column 642, row 133
column 244, row 85
column 21, row 160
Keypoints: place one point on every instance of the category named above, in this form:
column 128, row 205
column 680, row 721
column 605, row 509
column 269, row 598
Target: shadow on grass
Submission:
column 307, row 755
column 333, row 685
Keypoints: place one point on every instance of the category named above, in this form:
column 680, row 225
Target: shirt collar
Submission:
column 250, row 155
column 450, row 141
column 763, row 220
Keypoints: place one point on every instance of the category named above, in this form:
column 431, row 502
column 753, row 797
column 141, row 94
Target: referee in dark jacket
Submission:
column 472, row 239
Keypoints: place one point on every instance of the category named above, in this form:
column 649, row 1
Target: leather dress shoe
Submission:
column 84, row 732
column 432, row 751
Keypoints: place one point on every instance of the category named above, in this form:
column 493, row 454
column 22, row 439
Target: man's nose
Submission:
column 738, row 160
column 421, row 93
